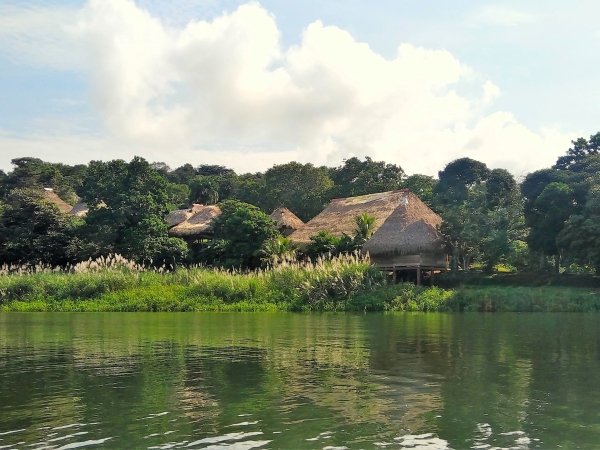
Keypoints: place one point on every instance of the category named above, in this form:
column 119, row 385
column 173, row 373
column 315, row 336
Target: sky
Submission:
column 252, row 84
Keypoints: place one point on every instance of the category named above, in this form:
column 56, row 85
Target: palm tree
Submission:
column 364, row 228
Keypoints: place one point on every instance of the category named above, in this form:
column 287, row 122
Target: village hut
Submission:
column 181, row 215
column 198, row 225
column 287, row 222
column 53, row 198
column 405, row 234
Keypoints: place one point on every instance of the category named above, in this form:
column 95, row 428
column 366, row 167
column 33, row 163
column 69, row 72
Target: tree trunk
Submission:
column 557, row 264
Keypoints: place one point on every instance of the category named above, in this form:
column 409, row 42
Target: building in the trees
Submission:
column 287, row 222
column 53, row 198
column 406, row 238
column 194, row 223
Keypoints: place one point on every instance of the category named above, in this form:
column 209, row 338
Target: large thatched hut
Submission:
column 194, row 223
column 405, row 235
column 287, row 222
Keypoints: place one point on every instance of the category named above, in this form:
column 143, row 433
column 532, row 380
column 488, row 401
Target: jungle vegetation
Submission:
column 547, row 221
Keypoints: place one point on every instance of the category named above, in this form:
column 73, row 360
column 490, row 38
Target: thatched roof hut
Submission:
column 287, row 222
column 198, row 224
column 53, row 198
column 405, row 232
column 181, row 215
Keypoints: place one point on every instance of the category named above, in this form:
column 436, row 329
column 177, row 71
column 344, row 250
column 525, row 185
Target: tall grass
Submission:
column 114, row 284
column 344, row 283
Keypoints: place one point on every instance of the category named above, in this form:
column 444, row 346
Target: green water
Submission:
column 299, row 381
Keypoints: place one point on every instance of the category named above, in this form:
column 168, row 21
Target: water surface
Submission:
column 206, row 381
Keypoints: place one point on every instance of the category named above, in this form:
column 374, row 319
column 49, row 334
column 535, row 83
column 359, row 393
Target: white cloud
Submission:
column 490, row 92
column 501, row 16
column 227, row 91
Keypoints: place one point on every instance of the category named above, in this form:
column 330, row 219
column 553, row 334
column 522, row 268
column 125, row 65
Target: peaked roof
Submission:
column 284, row 218
column 198, row 223
column 181, row 215
column 403, row 223
column 53, row 198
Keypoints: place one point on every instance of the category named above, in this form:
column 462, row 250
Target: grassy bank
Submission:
column 344, row 284
column 325, row 285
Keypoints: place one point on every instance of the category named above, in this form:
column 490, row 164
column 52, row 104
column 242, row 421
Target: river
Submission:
column 318, row 381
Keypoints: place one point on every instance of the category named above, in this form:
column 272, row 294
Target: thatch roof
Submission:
column 53, row 198
column 198, row 224
column 79, row 210
column 403, row 223
column 287, row 222
column 181, row 215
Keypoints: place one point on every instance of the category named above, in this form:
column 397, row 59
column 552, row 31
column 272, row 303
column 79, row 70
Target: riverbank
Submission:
column 344, row 284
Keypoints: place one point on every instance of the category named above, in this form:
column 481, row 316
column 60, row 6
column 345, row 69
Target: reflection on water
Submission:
column 206, row 381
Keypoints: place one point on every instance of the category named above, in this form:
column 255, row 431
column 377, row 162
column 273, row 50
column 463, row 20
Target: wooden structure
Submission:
column 406, row 240
column 287, row 222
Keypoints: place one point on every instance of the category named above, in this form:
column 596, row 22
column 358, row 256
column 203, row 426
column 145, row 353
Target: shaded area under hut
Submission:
column 287, row 222
column 405, row 240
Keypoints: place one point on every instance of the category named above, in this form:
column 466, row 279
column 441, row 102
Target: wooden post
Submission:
column 418, row 275
column 395, row 275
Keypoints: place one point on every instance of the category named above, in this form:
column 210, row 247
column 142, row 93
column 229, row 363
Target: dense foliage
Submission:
column 548, row 220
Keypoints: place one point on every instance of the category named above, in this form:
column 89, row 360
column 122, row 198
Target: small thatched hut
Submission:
column 199, row 223
column 287, row 222
column 53, row 198
column 405, row 234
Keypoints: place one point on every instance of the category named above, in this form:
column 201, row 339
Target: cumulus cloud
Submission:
column 228, row 91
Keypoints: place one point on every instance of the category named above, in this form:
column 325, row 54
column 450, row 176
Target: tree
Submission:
column 215, row 171
column 179, row 195
column 204, row 190
column 364, row 229
column 3, row 180
column 501, row 187
column 35, row 231
column 35, row 173
column 482, row 212
column 127, row 205
column 278, row 250
column 303, row 188
column 323, row 243
column 358, row 177
column 182, row 175
column 579, row 239
column 581, row 149
column 161, row 167
column 241, row 233
column 250, row 188
column 457, row 178
column 422, row 185
column 550, row 211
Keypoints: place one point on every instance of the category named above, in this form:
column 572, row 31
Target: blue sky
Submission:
column 252, row 84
